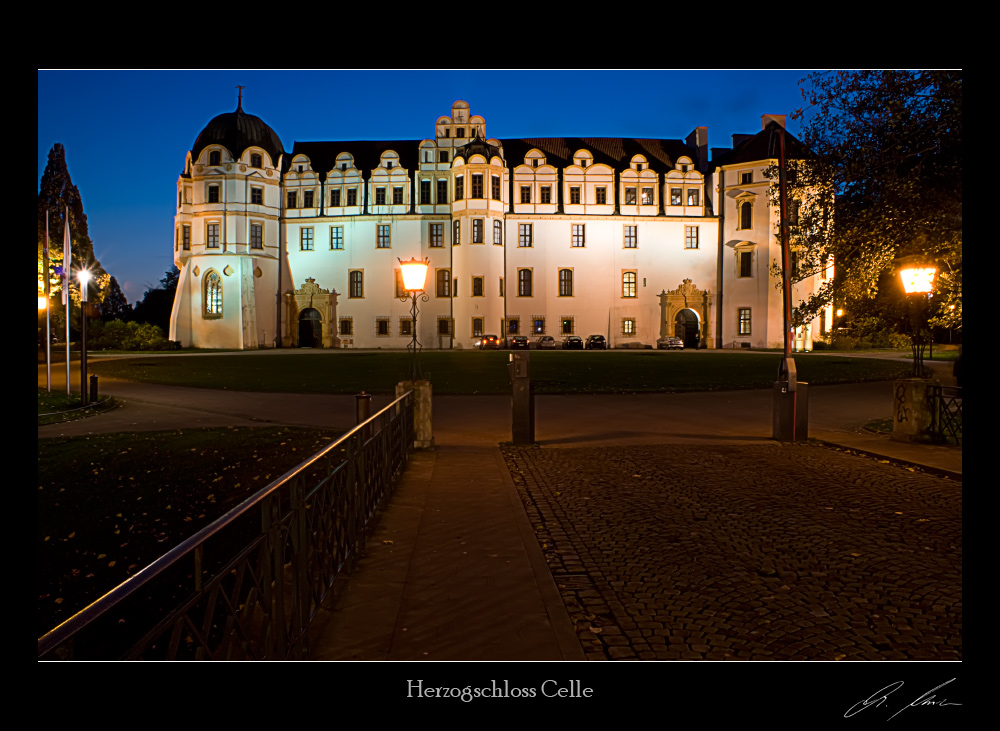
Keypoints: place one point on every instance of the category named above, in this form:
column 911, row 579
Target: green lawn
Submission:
column 474, row 372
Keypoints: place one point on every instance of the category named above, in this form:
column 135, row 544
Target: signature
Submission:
column 880, row 696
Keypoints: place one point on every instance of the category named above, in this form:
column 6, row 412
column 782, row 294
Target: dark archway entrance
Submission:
column 310, row 329
column 686, row 328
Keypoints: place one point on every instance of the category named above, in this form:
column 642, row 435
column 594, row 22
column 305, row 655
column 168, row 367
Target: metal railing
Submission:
column 247, row 586
column 950, row 413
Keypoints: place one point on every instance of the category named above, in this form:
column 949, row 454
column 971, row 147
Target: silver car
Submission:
column 669, row 344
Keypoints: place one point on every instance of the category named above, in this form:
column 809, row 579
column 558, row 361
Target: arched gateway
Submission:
column 685, row 313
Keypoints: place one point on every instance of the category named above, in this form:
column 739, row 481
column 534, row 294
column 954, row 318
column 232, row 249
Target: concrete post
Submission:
column 423, row 423
column 522, row 409
column 915, row 409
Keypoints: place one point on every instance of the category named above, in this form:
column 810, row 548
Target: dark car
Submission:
column 489, row 342
column 596, row 342
column 572, row 342
column 519, row 342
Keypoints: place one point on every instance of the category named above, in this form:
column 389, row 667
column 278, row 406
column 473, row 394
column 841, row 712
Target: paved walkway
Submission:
column 456, row 571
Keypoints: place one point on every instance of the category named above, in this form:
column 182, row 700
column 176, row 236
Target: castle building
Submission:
column 635, row 239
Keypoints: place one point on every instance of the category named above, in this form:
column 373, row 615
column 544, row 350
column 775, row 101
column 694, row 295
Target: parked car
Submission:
column 669, row 344
column 572, row 342
column 489, row 342
column 545, row 342
column 596, row 342
column 519, row 342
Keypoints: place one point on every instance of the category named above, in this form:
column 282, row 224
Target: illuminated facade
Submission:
column 634, row 239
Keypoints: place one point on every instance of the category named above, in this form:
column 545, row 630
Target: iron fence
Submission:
column 950, row 413
column 247, row 586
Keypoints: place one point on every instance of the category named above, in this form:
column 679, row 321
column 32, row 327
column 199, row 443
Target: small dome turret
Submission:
column 236, row 131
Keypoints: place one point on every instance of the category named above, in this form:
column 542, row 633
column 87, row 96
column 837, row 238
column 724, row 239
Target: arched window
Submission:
column 214, row 157
column 746, row 214
column 356, row 284
column 255, row 160
column 523, row 282
column 565, row 282
column 628, row 284
column 213, row 295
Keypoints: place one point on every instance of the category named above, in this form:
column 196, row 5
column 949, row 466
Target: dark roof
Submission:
column 762, row 146
column 478, row 146
column 237, row 131
column 367, row 153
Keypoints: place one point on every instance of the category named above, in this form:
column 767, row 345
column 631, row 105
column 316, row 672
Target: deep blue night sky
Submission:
column 126, row 132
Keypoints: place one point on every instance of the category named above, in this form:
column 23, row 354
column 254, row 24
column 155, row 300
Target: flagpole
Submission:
column 48, row 308
column 67, row 266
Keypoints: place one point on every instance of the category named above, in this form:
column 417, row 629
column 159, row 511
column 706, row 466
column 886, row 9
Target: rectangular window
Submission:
column 526, row 194
column 501, row 286
column 477, row 327
column 213, row 194
column 406, row 326
column 425, row 191
column 546, row 194
column 335, row 198
column 336, row 237
column 565, row 282
column 538, row 325
column 256, row 196
column 647, row 196
column 746, row 179
column 630, row 196
column 460, row 132
column 437, row 235
column 690, row 237
column 397, row 195
column 456, row 236
column 400, row 288
column 631, row 237
column 602, row 195
column 477, row 230
column 693, row 197
column 513, row 326
column 675, row 196
column 746, row 263
column 495, row 187
column 346, row 326
column 477, row 185
column 443, row 279
column 524, row 234
column 212, row 236
column 578, row 238
column 443, row 154
column 498, row 233
column 293, row 199
column 459, row 188
column 356, row 284
column 186, row 238
column 566, row 325
column 523, row 282
column 628, row 326
column 574, row 195
column 256, row 236
column 743, row 316
column 383, row 241
column 352, row 196
column 380, row 196
column 477, row 286
column 382, row 327
column 307, row 199
column 442, row 191
column 628, row 284
column 306, row 239
column 444, row 326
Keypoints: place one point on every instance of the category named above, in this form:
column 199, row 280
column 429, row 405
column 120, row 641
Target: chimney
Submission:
column 767, row 118
column 699, row 140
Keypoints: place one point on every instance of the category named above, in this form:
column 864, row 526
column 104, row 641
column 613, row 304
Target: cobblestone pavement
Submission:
column 763, row 552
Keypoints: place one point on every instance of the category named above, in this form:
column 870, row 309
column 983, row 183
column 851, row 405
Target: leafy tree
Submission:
column 115, row 305
column 885, row 181
column 158, row 302
column 56, row 192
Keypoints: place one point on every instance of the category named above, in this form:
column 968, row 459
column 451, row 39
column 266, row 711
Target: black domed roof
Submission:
column 237, row 131
column 478, row 146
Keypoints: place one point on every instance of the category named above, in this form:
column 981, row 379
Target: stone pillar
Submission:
column 915, row 406
column 423, row 432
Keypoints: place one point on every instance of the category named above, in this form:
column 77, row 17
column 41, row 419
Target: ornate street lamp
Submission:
column 83, row 276
column 917, row 274
column 414, row 276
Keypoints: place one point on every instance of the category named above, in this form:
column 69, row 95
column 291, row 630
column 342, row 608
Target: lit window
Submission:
column 578, row 238
column 675, row 196
column 437, row 235
column 256, row 236
column 628, row 326
column 213, row 295
column 538, row 325
column 647, row 196
column 690, row 237
column 477, row 327
column 456, row 237
column 212, row 236
column 631, row 237
column 565, row 282
column 693, row 197
column 743, row 316
column 628, row 284
column 630, row 196
column 383, row 241
column 336, row 237
column 306, row 239
column 523, row 282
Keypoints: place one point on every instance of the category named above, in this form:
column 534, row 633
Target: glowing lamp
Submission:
column 414, row 274
column 840, row 312
column 83, row 276
column 43, row 302
column 917, row 275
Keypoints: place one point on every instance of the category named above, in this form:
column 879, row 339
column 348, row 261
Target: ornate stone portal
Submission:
column 312, row 296
column 687, row 297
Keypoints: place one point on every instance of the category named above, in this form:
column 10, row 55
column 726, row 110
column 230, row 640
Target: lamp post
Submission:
column 84, row 278
column 414, row 276
column 43, row 304
column 917, row 274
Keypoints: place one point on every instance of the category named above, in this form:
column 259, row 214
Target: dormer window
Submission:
column 343, row 166
column 534, row 162
column 460, row 132
column 388, row 166
column 255, row 161
column 214, row 157
column 447, row 133
column 300, row 168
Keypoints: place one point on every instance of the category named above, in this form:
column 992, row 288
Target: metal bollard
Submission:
column 93, row 388
column 363, row 401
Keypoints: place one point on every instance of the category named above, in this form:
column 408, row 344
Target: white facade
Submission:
column 632, row 239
